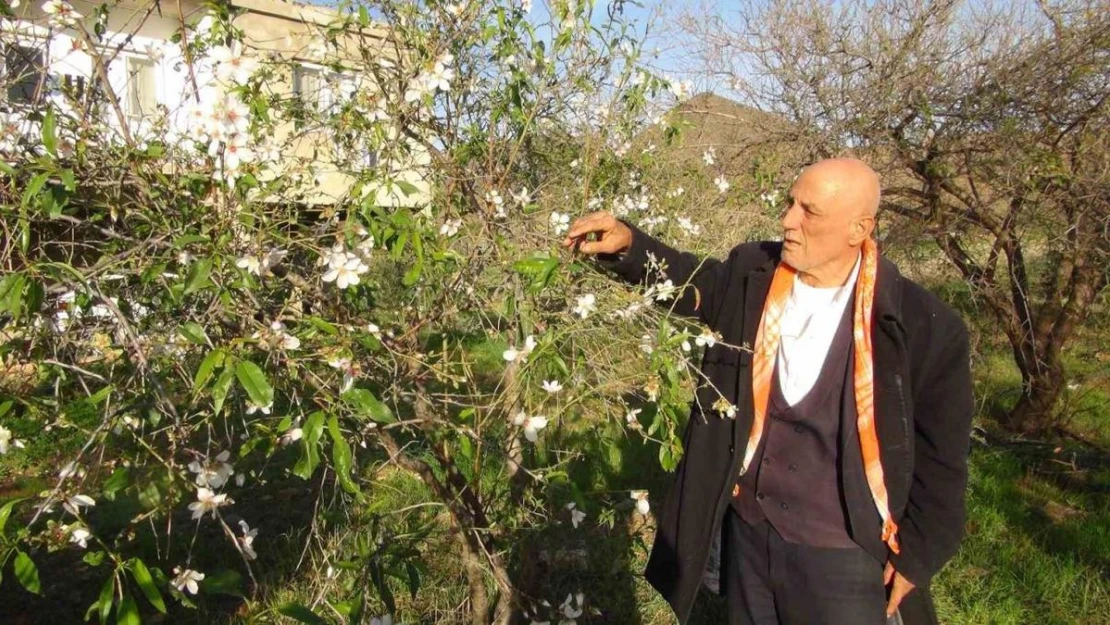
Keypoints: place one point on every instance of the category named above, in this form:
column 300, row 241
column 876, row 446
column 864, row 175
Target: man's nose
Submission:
column 789, row 218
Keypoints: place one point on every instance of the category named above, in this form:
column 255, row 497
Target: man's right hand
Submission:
column 613, row 237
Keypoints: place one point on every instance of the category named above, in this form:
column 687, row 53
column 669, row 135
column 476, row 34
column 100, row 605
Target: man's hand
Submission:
column 613, row 236
column 898, row 590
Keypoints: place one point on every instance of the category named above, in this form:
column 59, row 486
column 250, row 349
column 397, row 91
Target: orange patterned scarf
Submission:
column 763, row 363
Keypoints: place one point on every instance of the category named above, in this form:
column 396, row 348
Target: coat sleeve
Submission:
column 932, row 527
column 700, row 283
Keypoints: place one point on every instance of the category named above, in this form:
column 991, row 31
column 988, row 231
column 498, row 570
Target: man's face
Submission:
column 815, row 227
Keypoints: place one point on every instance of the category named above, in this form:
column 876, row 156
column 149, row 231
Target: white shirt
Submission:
column 809, row 323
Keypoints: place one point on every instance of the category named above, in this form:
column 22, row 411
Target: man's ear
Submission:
column 861, row 228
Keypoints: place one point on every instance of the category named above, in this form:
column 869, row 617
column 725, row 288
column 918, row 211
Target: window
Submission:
column 23, row 72
column 142, row 98
column 311, row 86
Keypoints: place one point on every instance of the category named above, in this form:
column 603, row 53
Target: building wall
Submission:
column 272, row 28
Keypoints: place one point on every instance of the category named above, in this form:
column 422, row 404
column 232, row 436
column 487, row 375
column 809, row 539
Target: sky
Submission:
column 671, row 60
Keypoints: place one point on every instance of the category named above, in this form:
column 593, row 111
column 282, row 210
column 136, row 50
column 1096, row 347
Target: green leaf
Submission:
column 207, row 366
column 6, row 512
column 194, row 333
column 313, row 428
column 220, row 389
column 11, row 294
column 26, row 572
column 101, row 395
column 107, row 594
column 187, row 239
column 406, row 187
column 539, row 269
column 50, row 133
column 323, row 326
column 31, row 193
column 369, row 406
column 300, row 613
column 94, row 558
column 223, row 582
column 119, row 480
column 128, row 613
column 413, row 274
column 146, row 584
column 341, row 456
column 254, row 383
column 197, row 278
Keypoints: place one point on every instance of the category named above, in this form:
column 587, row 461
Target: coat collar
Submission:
column 888, row 288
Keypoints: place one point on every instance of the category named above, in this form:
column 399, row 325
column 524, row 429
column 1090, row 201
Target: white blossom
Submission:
column 688, row 226
column 246, row 541
column 560, row 222
column 250, row 264
column 231, row 65
column 664, row 291
column 288, row 341
column 722, row 183
column 384, row 619
column 531, row 425
column 80, row 536
column 7, row 441
column 552, row 386
column 186, row 579
column 586, row 305
column 681, row 88
column 494, row 199
column 441, row 74
column 706, row 338
column 513, row 353
column 571, row 608
column 207, row 501
column 253, row 408
column 450, row 228
column 74, row 504
column 709, row 156
column 522, row 198
column 347, row 273
column 214, row 472
column 61, row 13
column 576, row 515
column 632, row 418
column 641, row 499
column 291, row 435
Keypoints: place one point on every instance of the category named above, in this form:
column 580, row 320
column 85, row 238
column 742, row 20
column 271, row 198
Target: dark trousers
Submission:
column 769, row 581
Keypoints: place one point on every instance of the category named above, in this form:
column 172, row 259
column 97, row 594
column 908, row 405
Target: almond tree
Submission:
column 178, row 292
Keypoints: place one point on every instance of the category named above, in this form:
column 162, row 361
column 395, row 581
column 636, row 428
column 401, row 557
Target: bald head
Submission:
column 847, row 184
column 831, row 212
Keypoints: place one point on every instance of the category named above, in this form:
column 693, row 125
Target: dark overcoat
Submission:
column 923, row 410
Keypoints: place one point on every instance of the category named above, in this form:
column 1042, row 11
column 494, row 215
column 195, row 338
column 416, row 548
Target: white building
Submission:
column 44, row 60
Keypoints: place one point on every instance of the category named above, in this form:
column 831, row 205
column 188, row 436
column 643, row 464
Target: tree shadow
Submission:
column 281, row 509
column 1059, row 502
column 607, row 562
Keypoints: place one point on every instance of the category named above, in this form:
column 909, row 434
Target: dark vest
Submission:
column 794, row 478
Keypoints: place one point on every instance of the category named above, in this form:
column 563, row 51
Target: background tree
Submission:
column 989, row 124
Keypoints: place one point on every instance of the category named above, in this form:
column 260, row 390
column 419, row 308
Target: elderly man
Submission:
column 838, row 486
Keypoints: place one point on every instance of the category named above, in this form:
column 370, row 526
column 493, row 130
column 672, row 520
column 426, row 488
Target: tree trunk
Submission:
column 476, row 580
column 1041, row 386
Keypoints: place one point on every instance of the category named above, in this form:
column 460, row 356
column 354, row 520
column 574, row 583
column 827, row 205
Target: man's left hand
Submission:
column 898, row 591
